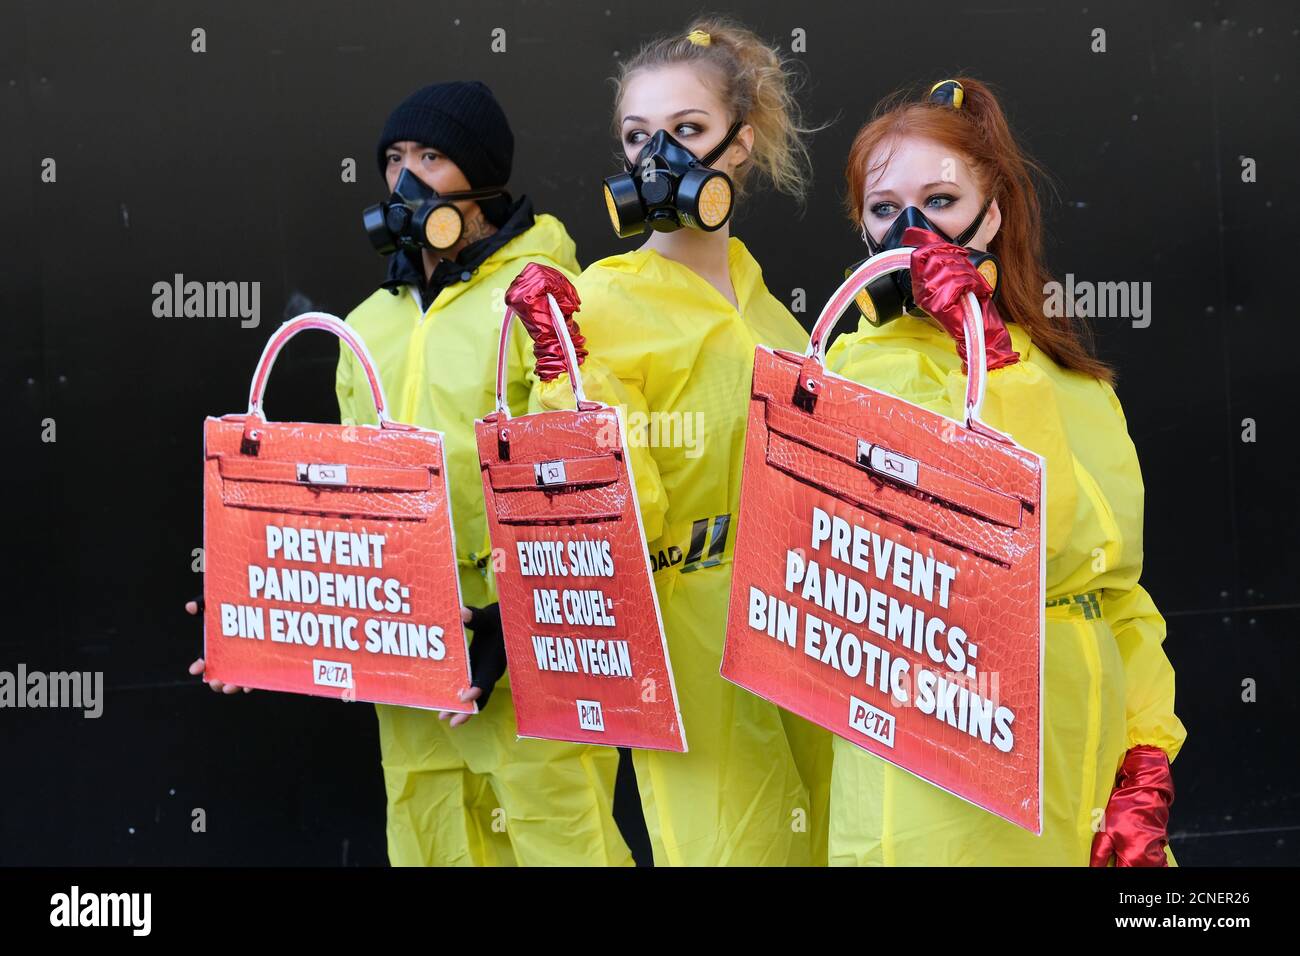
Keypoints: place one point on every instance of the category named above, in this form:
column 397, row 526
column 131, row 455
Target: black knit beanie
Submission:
column 465, row 121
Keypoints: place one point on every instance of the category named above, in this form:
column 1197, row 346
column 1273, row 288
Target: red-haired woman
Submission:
column 943, row 173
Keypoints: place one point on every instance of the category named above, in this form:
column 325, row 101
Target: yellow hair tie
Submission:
column 947, row 93
column 699, row 38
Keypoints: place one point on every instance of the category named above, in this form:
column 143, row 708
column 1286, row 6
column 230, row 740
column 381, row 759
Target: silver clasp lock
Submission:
column 323, row 474
column 891, row 464
column 549, row 472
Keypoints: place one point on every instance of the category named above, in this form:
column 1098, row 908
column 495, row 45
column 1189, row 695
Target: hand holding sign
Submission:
column 942, row 277
column 530, row 296
column 199, row 666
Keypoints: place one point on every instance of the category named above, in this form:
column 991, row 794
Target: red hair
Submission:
column 979, row 132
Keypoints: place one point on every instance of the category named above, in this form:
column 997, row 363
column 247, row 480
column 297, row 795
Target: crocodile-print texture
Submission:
column 596, row 501
column 938, row 483
column 396, row 487
column 579, row 473
column 974, row 503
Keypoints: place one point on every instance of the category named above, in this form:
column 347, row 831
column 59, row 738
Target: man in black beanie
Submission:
column 467, row 790
column 454, row 137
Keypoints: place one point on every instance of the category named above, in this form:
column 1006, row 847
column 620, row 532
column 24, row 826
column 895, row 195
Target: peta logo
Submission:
column 872, row 721
column 331, row 674
column 102, row 909
column 590, row 716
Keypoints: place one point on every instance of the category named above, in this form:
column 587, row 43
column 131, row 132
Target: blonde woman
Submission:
column 700, row 115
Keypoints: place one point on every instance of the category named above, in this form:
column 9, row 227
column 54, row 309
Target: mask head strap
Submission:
column 721, row 148
column 968, row 233
column 487, row 192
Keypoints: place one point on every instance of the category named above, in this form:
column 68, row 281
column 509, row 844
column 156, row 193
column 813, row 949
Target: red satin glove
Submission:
column 527, row 297
column 941, row 277
column 1137, row 814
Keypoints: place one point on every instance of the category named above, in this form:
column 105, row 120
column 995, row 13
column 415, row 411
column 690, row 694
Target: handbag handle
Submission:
column 570, row 358
column 326, row 323
column 895, row 260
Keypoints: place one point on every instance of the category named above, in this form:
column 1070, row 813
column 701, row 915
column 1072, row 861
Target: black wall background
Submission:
column 225, row 165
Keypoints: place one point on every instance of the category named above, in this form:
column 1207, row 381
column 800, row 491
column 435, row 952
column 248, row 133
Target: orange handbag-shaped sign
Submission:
column 329, row 555
column 584, row 640
column 888, row 583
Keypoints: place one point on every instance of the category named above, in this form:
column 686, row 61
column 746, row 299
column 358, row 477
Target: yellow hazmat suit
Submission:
column 1107, row 684
column 683, row 358
column 474, row 794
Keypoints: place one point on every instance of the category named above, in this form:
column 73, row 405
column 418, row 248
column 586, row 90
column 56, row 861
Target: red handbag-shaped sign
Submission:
column 888, row 582
column 329, row 555
column 584, row 640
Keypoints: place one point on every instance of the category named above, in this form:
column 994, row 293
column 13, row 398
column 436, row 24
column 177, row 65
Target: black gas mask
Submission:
column 890, row 296
column 416, row 216
column 669, row 187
